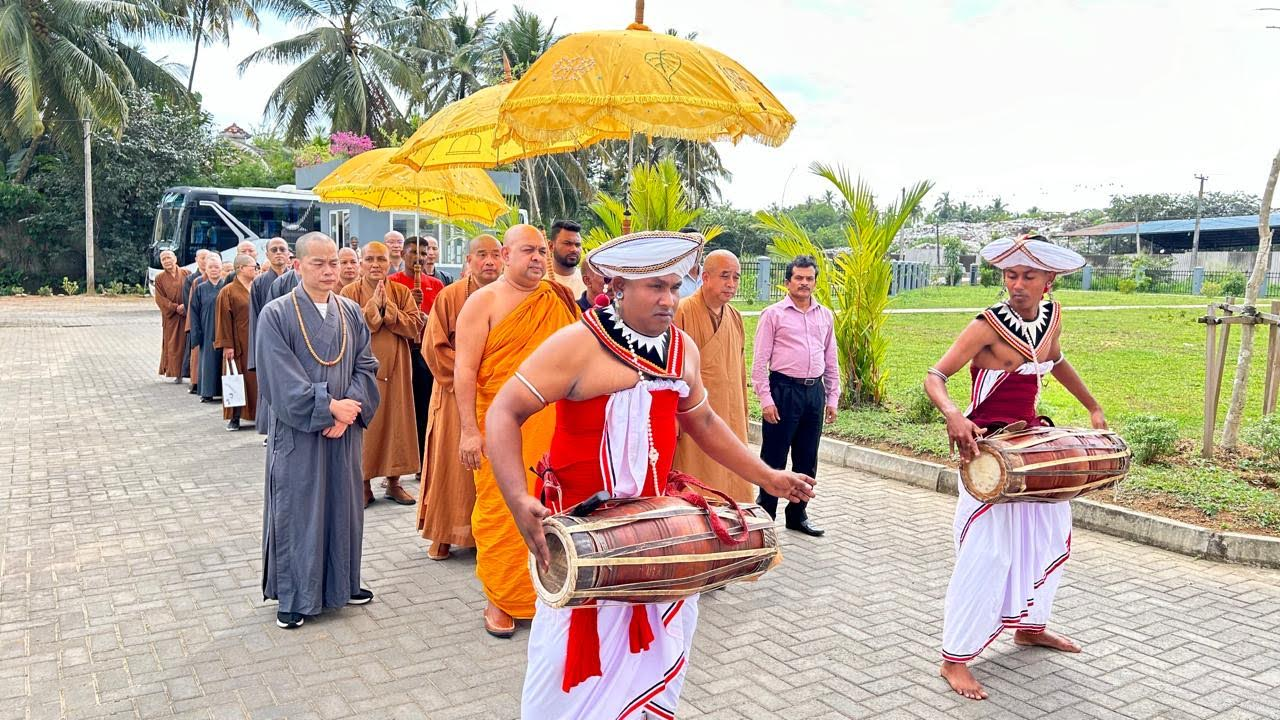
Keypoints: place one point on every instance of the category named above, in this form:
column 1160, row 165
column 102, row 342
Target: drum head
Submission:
column 985, row 475
column 553, row 586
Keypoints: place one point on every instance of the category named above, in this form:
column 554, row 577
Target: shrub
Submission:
column 115, row 287
column 1234, row 284
column 70, row 287
column 919, row 408
column 1127, row 285
column 1265, row 435
column 989, row 276
column 1150, row 437
column 44, row 291
column 349, row 144
column 1211, row 289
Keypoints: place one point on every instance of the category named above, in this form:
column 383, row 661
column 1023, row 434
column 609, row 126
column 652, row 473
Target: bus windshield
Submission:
column 193, row 219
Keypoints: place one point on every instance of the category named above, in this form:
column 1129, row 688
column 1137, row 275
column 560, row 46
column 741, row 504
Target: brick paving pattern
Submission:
column 129, row 585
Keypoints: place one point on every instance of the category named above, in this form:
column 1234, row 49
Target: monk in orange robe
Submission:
column 499, row 326
column 173, row 312
column 231, row 333
column 448, row 493
column 715, row 327
column 394, row 320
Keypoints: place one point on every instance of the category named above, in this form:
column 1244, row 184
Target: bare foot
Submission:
column 962, row 681
column 1046, row 638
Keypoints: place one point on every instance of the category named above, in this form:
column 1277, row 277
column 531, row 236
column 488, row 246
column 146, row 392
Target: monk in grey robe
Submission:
column 259, row 296
column 282, row 285
column 204, row 329
column 318, row 373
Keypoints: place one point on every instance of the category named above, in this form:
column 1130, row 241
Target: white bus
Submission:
column 203, row 218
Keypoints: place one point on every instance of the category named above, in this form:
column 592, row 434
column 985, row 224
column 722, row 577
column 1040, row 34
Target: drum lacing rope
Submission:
column 677, row 486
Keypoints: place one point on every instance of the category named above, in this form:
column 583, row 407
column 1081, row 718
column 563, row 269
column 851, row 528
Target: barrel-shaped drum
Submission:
column 650, row 550
column 1045, row 464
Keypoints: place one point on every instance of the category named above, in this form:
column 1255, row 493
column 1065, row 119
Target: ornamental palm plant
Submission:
column 854, row 283
column 211, row 21
column 657, row 201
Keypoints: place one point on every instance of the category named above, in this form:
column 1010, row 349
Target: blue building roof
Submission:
column 1216, row 233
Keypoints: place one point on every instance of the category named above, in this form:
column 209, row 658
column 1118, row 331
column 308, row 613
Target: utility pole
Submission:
column 1195, row 237
column 90, row 287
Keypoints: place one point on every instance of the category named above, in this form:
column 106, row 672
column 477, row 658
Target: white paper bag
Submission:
column 232, row 386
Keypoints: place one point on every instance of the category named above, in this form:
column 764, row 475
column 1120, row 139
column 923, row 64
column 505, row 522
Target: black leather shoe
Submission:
column 289, row 621
column 807, row 528
column 193, row 390
column 362, row 597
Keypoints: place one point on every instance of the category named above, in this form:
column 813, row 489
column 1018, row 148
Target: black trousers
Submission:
column 797, row 432
column 422, row 384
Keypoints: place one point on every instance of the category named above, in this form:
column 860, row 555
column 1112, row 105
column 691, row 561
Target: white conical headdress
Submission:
column 1032, row 251
column 647, row 254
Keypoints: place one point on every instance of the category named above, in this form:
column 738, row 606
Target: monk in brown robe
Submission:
column 716, row 328
column 448, row 492
column 499, row 326
column 192, row 360
column 173, row 311
column 394, row 320
column 232, row 335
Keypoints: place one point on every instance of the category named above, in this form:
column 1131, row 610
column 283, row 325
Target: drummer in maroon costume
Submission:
column 1009, row 556
column 623, row 381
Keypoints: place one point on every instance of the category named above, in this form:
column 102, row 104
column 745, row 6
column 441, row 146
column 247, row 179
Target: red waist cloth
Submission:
column 1013, row 400
column 575, row 458
column 575, row 445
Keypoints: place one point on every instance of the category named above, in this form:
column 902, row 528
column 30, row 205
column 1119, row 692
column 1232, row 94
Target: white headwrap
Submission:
column 1032, row 251
column 647, row 254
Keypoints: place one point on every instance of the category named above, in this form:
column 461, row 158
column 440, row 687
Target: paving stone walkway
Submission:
column 129, row 585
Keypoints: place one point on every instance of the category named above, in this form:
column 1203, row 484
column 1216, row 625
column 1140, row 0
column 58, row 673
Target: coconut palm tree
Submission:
column 465, row 63
column 349, row 67
column 210, row 21
column 523, row 38
column 63, row 61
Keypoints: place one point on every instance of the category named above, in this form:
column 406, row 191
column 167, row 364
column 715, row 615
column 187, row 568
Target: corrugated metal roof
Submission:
column 1162, row 227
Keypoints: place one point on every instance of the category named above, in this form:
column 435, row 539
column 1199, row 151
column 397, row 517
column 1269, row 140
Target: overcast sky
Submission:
column 1050, row 103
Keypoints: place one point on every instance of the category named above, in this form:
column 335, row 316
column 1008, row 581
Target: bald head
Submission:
column 484, row 259
column 244, row 259
column 375, row 259
column 312, row 243
column 246, row 247
column 348, row 266
column 525, row 252
column 721, row 274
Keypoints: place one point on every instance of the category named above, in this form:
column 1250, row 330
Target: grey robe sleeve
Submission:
column 197, row 326
column 364, row 377
column 294, row 399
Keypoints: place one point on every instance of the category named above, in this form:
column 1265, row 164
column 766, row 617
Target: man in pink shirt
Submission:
column 797, row 377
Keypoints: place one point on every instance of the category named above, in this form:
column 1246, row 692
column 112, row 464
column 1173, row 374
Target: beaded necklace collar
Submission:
column 1025, row 336
column 657, row 357
column 342, row 328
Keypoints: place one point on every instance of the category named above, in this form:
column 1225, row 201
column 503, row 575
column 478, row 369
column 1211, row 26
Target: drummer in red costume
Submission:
column 1009, row 556
column 624, row 381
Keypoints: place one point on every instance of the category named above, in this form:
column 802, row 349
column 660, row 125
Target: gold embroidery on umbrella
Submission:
column 666, row 63
column 571, row 68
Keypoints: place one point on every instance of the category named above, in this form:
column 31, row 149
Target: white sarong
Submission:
column 641, row 686
column 1008, row 558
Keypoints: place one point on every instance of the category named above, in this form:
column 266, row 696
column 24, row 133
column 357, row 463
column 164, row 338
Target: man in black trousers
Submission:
column 796, row 375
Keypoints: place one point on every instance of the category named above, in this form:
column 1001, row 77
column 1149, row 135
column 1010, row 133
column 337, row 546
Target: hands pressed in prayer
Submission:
column 962, row 435
column 792, row 486
column 344, row 411
column 770, row 414
column 528, row 516
column 380, row 295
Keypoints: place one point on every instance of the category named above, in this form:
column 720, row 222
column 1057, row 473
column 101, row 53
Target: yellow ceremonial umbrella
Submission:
column 462, row 135
column 370, row 180
column 612, row 84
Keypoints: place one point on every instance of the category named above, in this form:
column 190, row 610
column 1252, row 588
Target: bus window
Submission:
column 208, row 232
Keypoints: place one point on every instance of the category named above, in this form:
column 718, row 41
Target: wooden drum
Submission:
column 1044, row 464
column 651, row 550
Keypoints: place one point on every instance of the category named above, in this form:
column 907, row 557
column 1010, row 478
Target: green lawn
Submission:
column 1134, row 361
column 976, row 297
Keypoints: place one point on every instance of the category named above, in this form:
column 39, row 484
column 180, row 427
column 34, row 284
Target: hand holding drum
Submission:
column 1044, row 464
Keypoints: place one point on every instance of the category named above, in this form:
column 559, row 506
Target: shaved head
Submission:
column 312, row 243
column 522, row 232
column 244, row 259
column 721, row 275
column 375, row 247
